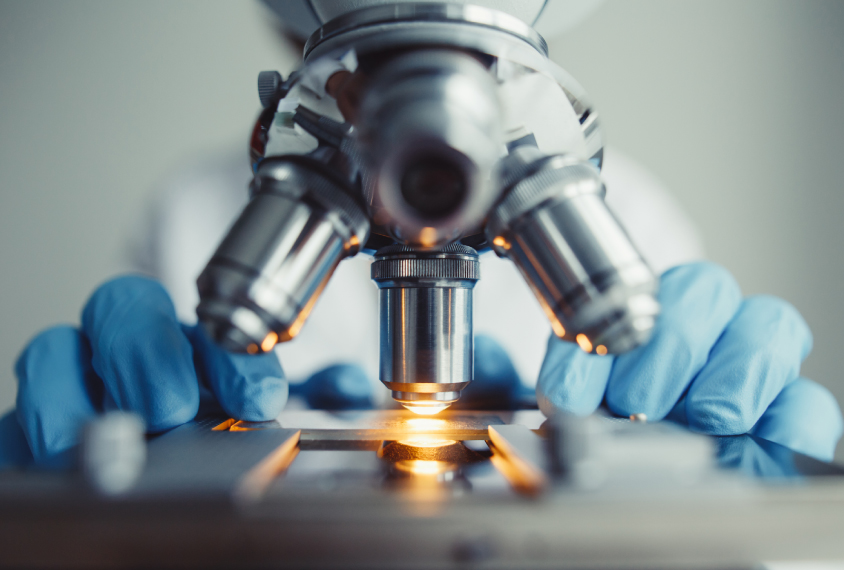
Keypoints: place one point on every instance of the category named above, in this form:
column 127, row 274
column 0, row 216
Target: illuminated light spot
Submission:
column 601, row 349
column 427, row 442
column 252, row 348
column 422, row 467
column 225, row 425
column 269, row 342
column 584, row 342
column 426, row 424
column 426, row 410
column 638, row 417
column 501, row 242
column 354, row 241
column 428, row 237
column 556, row 325
column 558, row 328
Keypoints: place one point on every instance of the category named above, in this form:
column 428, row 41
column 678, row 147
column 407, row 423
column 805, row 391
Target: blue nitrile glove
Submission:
column 717, row 362
column 130, row 354
column 496, row 384
column 338, row 387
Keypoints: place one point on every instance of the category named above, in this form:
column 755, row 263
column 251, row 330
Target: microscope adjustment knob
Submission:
column 269, row 83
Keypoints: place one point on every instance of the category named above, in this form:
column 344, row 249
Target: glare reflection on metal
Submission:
column 584, row 343
column 426, row 424
column 425, row 409
column 425, row 468
column 428, row 467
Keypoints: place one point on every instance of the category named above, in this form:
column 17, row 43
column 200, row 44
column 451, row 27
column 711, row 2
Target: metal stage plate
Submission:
column 461, row 490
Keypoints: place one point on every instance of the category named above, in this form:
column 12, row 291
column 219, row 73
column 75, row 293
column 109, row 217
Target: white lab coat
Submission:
column 195, row 206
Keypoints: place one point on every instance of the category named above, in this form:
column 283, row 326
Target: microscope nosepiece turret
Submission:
column 425, row 133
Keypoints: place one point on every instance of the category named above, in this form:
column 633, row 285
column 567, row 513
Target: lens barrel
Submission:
column 589, row 278
column 426, row 323
column 430, row 132
column 268, row 272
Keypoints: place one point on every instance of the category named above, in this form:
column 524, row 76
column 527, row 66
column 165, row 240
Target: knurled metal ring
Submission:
column 558, row 178
column 455, row 261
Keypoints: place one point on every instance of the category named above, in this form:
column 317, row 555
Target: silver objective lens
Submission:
column 592, row 283
column 268, row 272
column 429, row 130
column 426, row 323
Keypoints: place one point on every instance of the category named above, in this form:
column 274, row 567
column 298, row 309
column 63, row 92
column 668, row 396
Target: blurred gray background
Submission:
column 737, row 106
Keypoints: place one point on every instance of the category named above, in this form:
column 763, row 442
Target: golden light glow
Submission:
column 255, row 482
column 558, row 327
column 241, row 426
column 584, row 342
column 523, row 479
column 353, row 241
column 601, row 349
column 306, row 310
column 422, row 467
column 428, row 442
column 426, row 424
column 269, row 341
column 225, row 425
column 252, row 348
column 428, row 236
column 501, row 242
column 426, row 409
column 524, row 476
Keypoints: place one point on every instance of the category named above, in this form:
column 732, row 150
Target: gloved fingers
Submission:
column 496, row 384
column 140, row 352
column 58, row 392
column 805, row 418
column 698, row 301
column 571, row 380
column 758, row 354
column 339, row 387
column 248, row 387
column 14, row 449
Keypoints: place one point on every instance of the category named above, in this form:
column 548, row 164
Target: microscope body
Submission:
column 424, row 134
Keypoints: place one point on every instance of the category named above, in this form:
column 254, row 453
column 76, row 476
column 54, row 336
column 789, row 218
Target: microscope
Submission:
column 424, row 135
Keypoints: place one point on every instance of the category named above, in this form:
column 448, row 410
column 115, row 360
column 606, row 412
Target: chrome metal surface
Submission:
column 430, row 133
column 426, row 323
column 425, row 14
column 592, row 283
column 268, row 272
column 187, row 510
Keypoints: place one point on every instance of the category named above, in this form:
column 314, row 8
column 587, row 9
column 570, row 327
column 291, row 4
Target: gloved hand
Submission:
column 717, row 362
column 496, row 384
column 132, row 354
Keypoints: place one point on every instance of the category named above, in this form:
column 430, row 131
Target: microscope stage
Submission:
column 387, row 489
